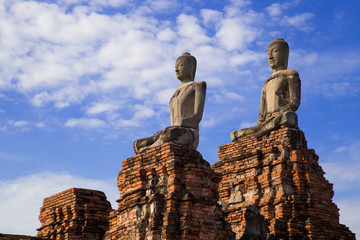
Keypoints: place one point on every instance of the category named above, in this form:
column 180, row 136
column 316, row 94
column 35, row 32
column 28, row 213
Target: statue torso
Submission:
column 182, row 104
column 277, row 90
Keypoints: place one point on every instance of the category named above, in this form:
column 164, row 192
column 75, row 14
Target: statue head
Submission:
column 185, row 67
column 278, row 54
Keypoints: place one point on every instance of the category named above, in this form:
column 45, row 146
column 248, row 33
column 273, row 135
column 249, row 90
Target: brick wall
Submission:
column 75, row 214
column 15, row 237
column 168, row 192
column 282, row 177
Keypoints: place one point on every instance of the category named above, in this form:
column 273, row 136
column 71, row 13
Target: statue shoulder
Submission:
column 201, row 84
column 290, row 72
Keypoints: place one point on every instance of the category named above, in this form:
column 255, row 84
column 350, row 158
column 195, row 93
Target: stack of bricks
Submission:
column 282, row 177
column 74, row 214
column 15, row 237
column 168, row 192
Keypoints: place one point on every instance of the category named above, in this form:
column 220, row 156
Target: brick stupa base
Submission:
column 169, row 193
column 74, row 214
column 282, row 177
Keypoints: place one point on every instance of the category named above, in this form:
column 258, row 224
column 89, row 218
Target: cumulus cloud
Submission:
column 335, row 72
column 279, row 12
column 211, row 16
column 97, row 108
column 349, row 214
column 66, row 53
column 164, row 5
column 235, row 35
column 209, row 122
column 246, row 124
column 87, row 123
column 22, row 125
column 275, row 9
column 344, row 174
column 22, row 198
column 59, row 54
column 300, row 21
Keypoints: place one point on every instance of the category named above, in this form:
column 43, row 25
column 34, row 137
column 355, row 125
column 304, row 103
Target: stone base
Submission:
column 282, row 177
column 76, row 213
column 286, row 119
column 187, row 137
column 168, row 192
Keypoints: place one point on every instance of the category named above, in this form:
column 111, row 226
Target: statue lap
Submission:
column 181, row 135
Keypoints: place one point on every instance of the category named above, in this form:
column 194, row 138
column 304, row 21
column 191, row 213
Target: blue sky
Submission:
column 81, row 80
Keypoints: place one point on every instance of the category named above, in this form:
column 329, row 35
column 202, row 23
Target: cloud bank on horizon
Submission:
column 78, row 74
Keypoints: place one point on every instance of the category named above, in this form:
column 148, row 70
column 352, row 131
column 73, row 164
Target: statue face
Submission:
column 183, row 69
column 277, row 57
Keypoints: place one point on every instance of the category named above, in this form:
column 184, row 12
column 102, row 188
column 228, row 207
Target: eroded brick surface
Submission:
column 282, row 177
column 74, row 214
column 168, row 192
column 15, row 237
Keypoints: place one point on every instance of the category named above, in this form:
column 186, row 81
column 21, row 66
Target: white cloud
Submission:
column 209, row 122
column 246, row 124
column 164, row 95
column 59, row 56
column 234, row 96
column 142, row 112
column 222, row 96
column 20, row 123
column 247, row 57
column 341, row 149
column 164, row 5
column 189, row 29
column 234, row 34
column 301, row 58
column 86, row 123
column 11, row 157
column 275, row 9
column 96, row 4
column 211, row 16
column 300, row 21
column 349, row 214
column 240, row 3
column 97, row 108
column 344, row 174
column 22, row 198
column 279, row 12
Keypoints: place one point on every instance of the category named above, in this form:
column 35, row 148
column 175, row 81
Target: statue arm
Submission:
column 295, row 93
column 262, row 107
column 199, row 102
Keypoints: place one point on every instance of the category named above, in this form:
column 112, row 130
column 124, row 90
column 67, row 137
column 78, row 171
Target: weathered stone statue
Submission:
column 280, row 96
column 186, row 110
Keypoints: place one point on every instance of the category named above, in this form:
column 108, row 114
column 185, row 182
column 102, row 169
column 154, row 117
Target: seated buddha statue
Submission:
column 280, row 96
column 186, row 110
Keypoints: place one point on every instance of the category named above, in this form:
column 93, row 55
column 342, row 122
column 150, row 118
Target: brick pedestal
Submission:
column 168, row 192
column 74, row 214
column 282, row 177
column 15, row 237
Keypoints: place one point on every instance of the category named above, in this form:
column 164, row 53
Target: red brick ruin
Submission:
column 170, row 192
column 282, row 177
column 74, row 214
